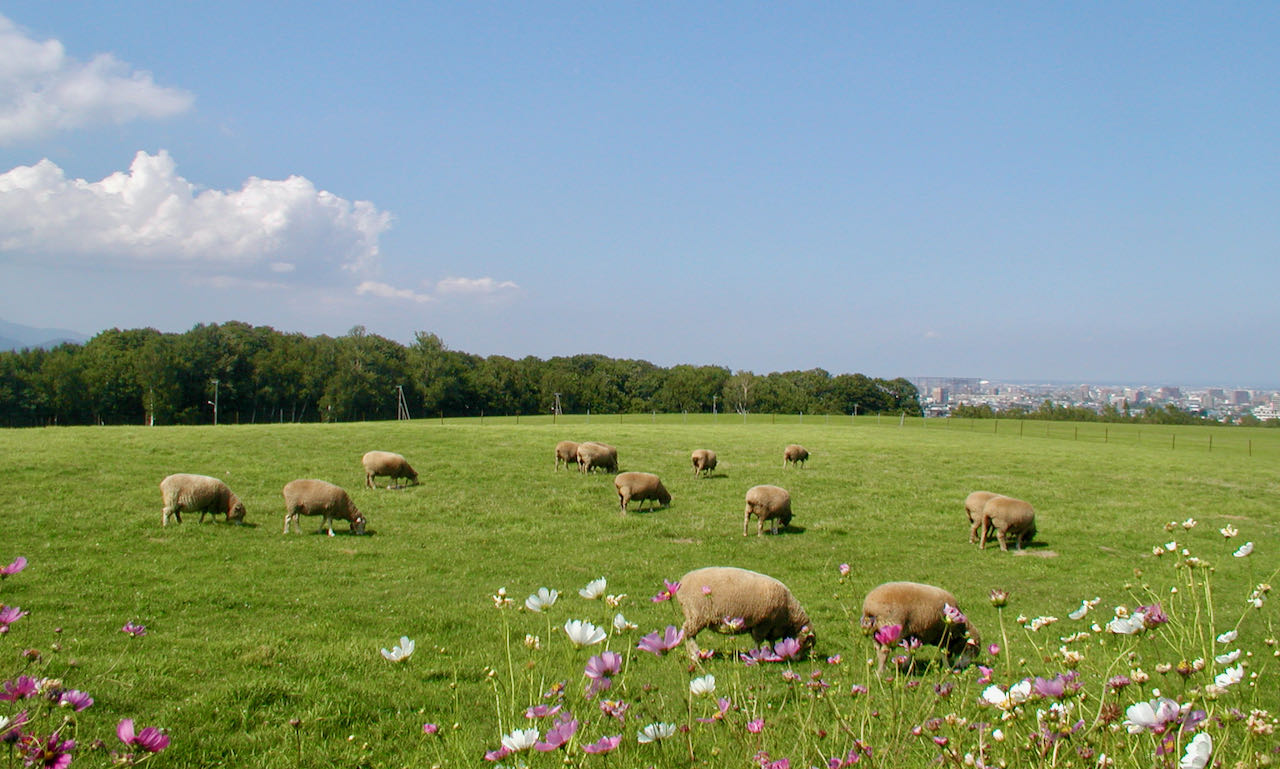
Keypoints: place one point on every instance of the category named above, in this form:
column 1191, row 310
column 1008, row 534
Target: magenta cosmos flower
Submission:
column 51, row 752
column 604, row 744
column 787, row 648
column 669, row 590
column 888, row 635
column 661, row 644
column 19, row 688
column 134, row 629
column 75, row 699
column 18, row 565
column 10, row 615
column 557, row 735
column 149, row 739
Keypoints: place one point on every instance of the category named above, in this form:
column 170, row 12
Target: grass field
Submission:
column 263, row 649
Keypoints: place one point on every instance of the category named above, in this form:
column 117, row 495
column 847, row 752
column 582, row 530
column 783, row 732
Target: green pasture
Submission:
column 250, row 630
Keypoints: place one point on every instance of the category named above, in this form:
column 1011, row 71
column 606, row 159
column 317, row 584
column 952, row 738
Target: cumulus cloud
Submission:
column 151, row 214
column 387, row 291
column 42, row 90
column 473, row 286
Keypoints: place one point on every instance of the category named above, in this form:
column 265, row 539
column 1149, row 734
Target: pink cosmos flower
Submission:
column 75, row 699
column 604, row 664
column 756, row 726
column 50, row 752
column 668, row 592
column 723, row 704
column 149, row 739
column 756, row 656
column 615, row 709
column 134, row 629
column 858, row 689
column 834, row 659
column 604, row 744
column 430, row 728
column 952, row 615
column 888, row 635
column 660, row 645
column 541, row 711
column 19, row 688
column 557, row 735
column 984, row 675
column 497, row 755
column 787, row 648
column 10, row 615
column 994, row 650
column 844, row 569
column 18, row 565
column 999, row 597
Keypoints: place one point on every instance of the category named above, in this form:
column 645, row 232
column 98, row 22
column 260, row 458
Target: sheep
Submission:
column 794, row 454
column 203, row 493
column 566, row 451
column 312, row 497
column 767, row 503
column 973, row 507
column 704, row 461
column 730, row 600
column 386, row 463
column 919, row 611
column 592, row 455
column 640, row 487
column 1009, row 517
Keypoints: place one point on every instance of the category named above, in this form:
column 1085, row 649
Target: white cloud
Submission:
column 151, row 214
column 386, row 291
column 42, row 90
column 473, row 286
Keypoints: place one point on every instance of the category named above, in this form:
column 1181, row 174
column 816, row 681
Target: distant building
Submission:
column 1267, row 411
column 1170, row 393
column 1241, row 398
column 940, row 394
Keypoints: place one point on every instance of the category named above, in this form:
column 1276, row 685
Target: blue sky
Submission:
column 1013, row 191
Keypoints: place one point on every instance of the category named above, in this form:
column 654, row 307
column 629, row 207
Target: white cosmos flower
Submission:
column 1017, row 694
column 1228, row 658
column 1079, row 613
column 621, row 624
column 583, row 633
column 655, row 732
column 541, row 599
column 400, row 653
column 1152, row 715
column 1127, row 625
column 593, row 590
column 1227, row 637
column 1228, row 531
column 1230, row 676
column 1198, row 752
column 703, row 685
column 520, row 739
column 1244, row 550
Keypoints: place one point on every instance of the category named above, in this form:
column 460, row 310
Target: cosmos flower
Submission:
column 615, row 709
column 594, row 589
column 500, row 599
column 1230, row 676
column 557, row 736
column 75, row 699
column 705, row 685
column 10, row 615
column 400, row 653
column 723, row 703
column 519, row 739
column 604, row 744
column 541, row 711
column 755, row 726
column 621, row 624
column 1244, row 550
column 1198, row 752
column 1228, row 531
column 430, row 728
column 844, row 569
column 655, row 732
column 19, row 688
column 50, row 752
column 1151, row 716
column 1007, row 700
column 582, row 633
column 134, row 629
column 659, row 645
column 1228, row 637
column 999, row 598
column 668, row 591
column 952, row 615
column 604, row 664
column 787, row 648
column 888, row 635
column 1228, row 658
column 18, row 565
column 542, row 599
column 1127, row 625
column 149, row 739
column 732, row 624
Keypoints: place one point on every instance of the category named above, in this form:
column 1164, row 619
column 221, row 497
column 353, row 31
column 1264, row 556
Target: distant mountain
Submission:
column 15, row 336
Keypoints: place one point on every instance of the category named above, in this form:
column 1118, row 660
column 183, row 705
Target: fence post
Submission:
column 1250, row 447
column 996, row 428
column 1020, row 425
column 1106, row 434
column 1210, row 444
column 1173, row 444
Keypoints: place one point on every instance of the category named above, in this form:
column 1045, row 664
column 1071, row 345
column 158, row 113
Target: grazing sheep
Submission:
column 919, row 610
column 704, row 461
column 312, row 497
column 767, row 503
column 592, row 455
column 640, row 487
column 566, row 451
column 386, row 463
column 1010, row 518
column 198, row 493
column 794, row 454
column 731, row 601
column 973, row 507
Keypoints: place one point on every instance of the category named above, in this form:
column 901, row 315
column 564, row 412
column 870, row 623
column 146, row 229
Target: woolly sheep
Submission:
column 1010, row 518
column 704, row 461
column 205, row 494
column 640, row 487
column 386, row 463
column 312, row 497
column 731, row 601
column 566, row 451
column 592, row 455
column 794, row 454
column 767, row 503
column 973, row 507
column 918, row 609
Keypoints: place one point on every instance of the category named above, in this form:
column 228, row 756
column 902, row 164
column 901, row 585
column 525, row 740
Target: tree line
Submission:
column 258, row 374
column 1168, row 414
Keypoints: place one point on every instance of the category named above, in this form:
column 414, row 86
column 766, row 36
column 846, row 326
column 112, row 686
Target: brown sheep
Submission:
column 312, row 497
column 704, row 461
column 198, row 493
column 1010, row 518
column 919, row 611
column 794, row 454
column 730, row 600
column 592, row 455
column 973, row 507
column 566, row 451
column 640, row 487
column 387, row 464
column 767, row 503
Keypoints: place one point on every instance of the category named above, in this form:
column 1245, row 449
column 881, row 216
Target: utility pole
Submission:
column 713, row 406
column 555, row 411
column 214, row 402
column 402, row 406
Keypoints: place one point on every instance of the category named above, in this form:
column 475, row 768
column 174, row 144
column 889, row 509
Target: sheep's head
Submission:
column 413, row 477
column 664, row 496
column 868, row 624
column 807, row 639
column 785, row 518
column 237, row 512
column 357, row 522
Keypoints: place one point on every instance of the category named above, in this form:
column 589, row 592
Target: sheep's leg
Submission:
column 622, row 503
column 745, row 519
column 986, row 531
column 882, row 656
column 328, row 524
column 973, row 531
column 1004, row 542
column 286, row 523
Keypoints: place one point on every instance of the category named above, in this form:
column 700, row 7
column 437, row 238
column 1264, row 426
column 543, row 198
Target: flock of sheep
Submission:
column 721, row 598
column 730, row 600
